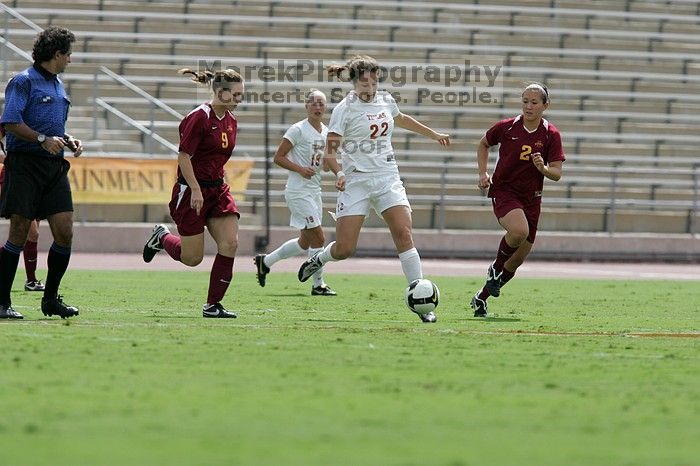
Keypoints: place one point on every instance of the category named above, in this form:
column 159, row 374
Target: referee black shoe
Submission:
column 261, row 269
column 217, row 311
column 6, row 312
column 56, row 307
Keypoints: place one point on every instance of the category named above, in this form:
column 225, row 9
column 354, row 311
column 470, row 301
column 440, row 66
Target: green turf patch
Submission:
column 560, row 375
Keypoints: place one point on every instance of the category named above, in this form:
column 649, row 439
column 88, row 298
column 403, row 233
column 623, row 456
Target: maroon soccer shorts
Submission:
column 218, row 202
column 503, row 202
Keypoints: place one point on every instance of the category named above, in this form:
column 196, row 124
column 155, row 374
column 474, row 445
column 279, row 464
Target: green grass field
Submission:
column 557, row 378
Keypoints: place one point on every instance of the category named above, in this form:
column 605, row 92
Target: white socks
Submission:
column 289, row 249
column 318, row 276
column 325, row 255
column 410, row 263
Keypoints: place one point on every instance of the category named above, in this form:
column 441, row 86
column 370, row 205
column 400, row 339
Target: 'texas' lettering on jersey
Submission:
column 377, row 116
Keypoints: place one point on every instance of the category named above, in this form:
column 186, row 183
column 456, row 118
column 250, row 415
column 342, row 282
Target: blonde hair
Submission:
column 356, row 66
column 310, row 94
column 217, row 80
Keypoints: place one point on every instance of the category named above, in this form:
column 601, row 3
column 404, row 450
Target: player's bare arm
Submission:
column 482, row 158
column 196, row 199
column 551, row 171
column 283, row 161
column 332, row 144
column 408, row 122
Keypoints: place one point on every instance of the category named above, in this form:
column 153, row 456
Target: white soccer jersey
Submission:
column 366, row 128
column 307, row 151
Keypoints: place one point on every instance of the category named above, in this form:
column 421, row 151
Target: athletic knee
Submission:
column 19, row 230
column 341, row 252
column 228, row 247
column 317, row 241
column 64, row 238
column 313, row 238
column 191, row 260
column 518, row 236
column 33, row 235
column 403, row 239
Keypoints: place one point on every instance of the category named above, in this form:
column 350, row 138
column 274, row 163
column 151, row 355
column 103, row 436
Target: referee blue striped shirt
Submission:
column 37, row 98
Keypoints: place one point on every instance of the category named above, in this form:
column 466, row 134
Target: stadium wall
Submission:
column 476, row 244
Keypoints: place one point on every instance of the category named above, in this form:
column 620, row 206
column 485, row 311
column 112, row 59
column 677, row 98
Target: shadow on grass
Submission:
column 495, row 319
column 175, row 316
column 331, row 320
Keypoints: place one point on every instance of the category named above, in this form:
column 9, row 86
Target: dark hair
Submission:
column 541, row 88
column 356, row 66
column 51, row 40
column 218, row 79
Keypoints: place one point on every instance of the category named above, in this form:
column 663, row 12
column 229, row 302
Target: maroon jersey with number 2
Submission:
column 515, row 171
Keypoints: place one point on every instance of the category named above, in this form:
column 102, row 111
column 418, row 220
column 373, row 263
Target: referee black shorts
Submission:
column 35, row 187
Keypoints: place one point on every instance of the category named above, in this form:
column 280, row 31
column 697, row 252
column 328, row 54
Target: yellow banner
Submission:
column 102, row 180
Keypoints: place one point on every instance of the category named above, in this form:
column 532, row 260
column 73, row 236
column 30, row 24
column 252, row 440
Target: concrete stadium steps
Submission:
column 458, row 217
column 632, row 91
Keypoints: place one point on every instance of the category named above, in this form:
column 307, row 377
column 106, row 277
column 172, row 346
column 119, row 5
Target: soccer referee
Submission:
column 36, row 174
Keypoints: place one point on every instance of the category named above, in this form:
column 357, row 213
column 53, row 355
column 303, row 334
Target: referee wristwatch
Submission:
column 40, row 138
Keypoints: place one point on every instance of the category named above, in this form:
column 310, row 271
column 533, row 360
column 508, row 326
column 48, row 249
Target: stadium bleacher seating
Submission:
column 625, row 98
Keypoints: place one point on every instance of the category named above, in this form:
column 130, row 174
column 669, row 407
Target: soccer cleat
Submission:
column 262, row 269
column 217, row 310
column 428, row 317
column 493, row 281
column 56, row 307
column 154, row 243
column 310, row 267
column 34, row 285
column 479, row 305
column 6, row 312
column 323, row 290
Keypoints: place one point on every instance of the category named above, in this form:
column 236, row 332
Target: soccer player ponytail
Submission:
column 218, row 79
column 356, row 66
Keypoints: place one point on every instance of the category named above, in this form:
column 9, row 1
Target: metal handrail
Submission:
column 20, row 17
column 155, row 101
column 15, row 49
column 6, row 33
column 103, row 69
column 147, row 131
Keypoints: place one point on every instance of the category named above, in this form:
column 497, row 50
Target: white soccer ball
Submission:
column 422, row 296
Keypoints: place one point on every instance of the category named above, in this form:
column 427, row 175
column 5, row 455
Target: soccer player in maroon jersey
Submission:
column 200, row 197
column 30, row 251
column 530, row 150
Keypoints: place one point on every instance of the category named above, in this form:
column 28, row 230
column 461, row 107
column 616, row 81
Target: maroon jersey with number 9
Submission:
column 209, row 140
column 514, row 170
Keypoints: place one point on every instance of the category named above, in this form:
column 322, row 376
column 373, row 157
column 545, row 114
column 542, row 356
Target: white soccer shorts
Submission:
column 365, row 190
column 306, row 211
